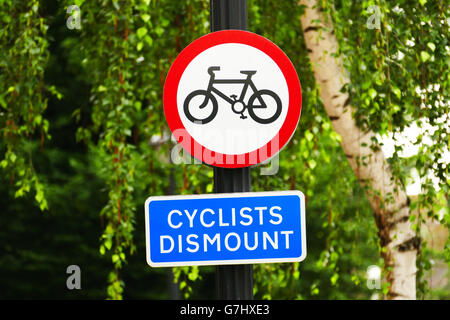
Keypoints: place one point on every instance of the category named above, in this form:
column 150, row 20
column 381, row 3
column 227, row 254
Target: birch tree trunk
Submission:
column 387, row 199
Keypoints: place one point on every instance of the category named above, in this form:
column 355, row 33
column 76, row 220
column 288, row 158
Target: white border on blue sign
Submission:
column 226, row 195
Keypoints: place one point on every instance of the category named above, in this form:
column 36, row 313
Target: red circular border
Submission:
column 232, row 36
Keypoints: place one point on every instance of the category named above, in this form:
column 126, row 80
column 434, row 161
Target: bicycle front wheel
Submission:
column 197, row 106
column 264, row 106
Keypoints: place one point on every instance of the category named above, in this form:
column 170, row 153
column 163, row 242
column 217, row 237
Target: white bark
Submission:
column 392, row 217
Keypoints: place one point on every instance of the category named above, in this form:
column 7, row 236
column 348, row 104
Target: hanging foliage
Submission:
column 23, row 59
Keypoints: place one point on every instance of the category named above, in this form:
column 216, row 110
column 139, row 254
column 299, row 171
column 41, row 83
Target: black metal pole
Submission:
column 228, row 14
column 233, row 282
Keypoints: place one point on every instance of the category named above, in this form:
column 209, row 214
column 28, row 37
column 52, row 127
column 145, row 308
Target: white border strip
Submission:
column 226, row 195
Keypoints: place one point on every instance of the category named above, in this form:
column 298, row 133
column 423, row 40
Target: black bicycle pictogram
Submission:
column 257, row 100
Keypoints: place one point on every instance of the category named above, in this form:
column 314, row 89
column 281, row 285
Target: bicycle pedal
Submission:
column 243, row 117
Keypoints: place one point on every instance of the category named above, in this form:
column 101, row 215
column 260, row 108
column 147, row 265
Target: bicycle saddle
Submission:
column 249, row 73
column 212, row 69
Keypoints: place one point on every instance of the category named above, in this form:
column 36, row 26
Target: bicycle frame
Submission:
column 247, row 83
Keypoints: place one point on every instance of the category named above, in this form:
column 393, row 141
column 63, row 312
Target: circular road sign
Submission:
column 232, row 99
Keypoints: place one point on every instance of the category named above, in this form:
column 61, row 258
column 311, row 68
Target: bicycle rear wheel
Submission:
column 196, row 101
column 259, row 101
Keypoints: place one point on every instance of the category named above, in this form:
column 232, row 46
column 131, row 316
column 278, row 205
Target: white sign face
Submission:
column 232, row 99
column 229, row 132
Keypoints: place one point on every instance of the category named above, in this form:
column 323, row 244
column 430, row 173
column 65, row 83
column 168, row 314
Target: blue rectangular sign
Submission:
column 226, row 228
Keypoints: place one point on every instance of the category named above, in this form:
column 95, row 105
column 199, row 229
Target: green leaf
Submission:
column 138, row 105
column 38, row 119
column 116, row 5
column 431, row 46
column 145, row 17
column 3, row 102
column 159, row 31
column 149, row 40
column 39, row 196
column 334, row 279
column 395, row 108
column 108, row 244
column 314, row 290
column 424, row 56
column 165, row 22
column 115, row 258
column 101, row 88
column 12, row 157
column 312, row 163
column 372, row 93
column 43, row 205
column 141, row 32
column 193, row 275
column 308, row 135
column 18, row 193
column 397, row 92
